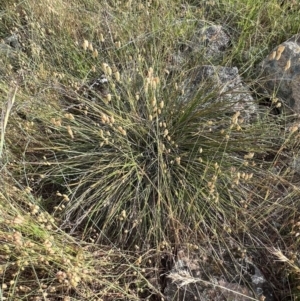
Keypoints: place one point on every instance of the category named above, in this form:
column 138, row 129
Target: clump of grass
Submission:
column 39, row 261
column 143, row 165
column 140, row 164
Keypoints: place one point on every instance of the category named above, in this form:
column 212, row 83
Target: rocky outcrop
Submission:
column 280, row 73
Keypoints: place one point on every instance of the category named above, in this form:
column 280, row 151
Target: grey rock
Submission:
column 6, row 51
column 260, row 286
column 8, row 58
column 100, row 85
column 188, row 281
column 281, row 72
column 9, row 46
column 295, row 164
column 234, row 291
column 213, row 40
column 13, row 41
column 228, row 85
column 209, row 40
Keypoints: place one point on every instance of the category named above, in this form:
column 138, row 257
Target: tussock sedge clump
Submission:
column 141, row 165
column 137, row 162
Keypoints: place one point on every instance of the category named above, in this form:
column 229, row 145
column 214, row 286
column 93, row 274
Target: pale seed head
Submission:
column 90, row 46
column 117, row 76
column 288, row 65
column 249, row 155
column 108, row 70
column 178, row 160
column 108, row 97
column 272, row 56
column 70, row 132
column 85, row 44
column 153, row 103
column 95, row 53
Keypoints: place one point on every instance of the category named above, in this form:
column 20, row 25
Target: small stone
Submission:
column 13, row 42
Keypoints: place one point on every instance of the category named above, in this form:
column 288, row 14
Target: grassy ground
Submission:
column 97, row 194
